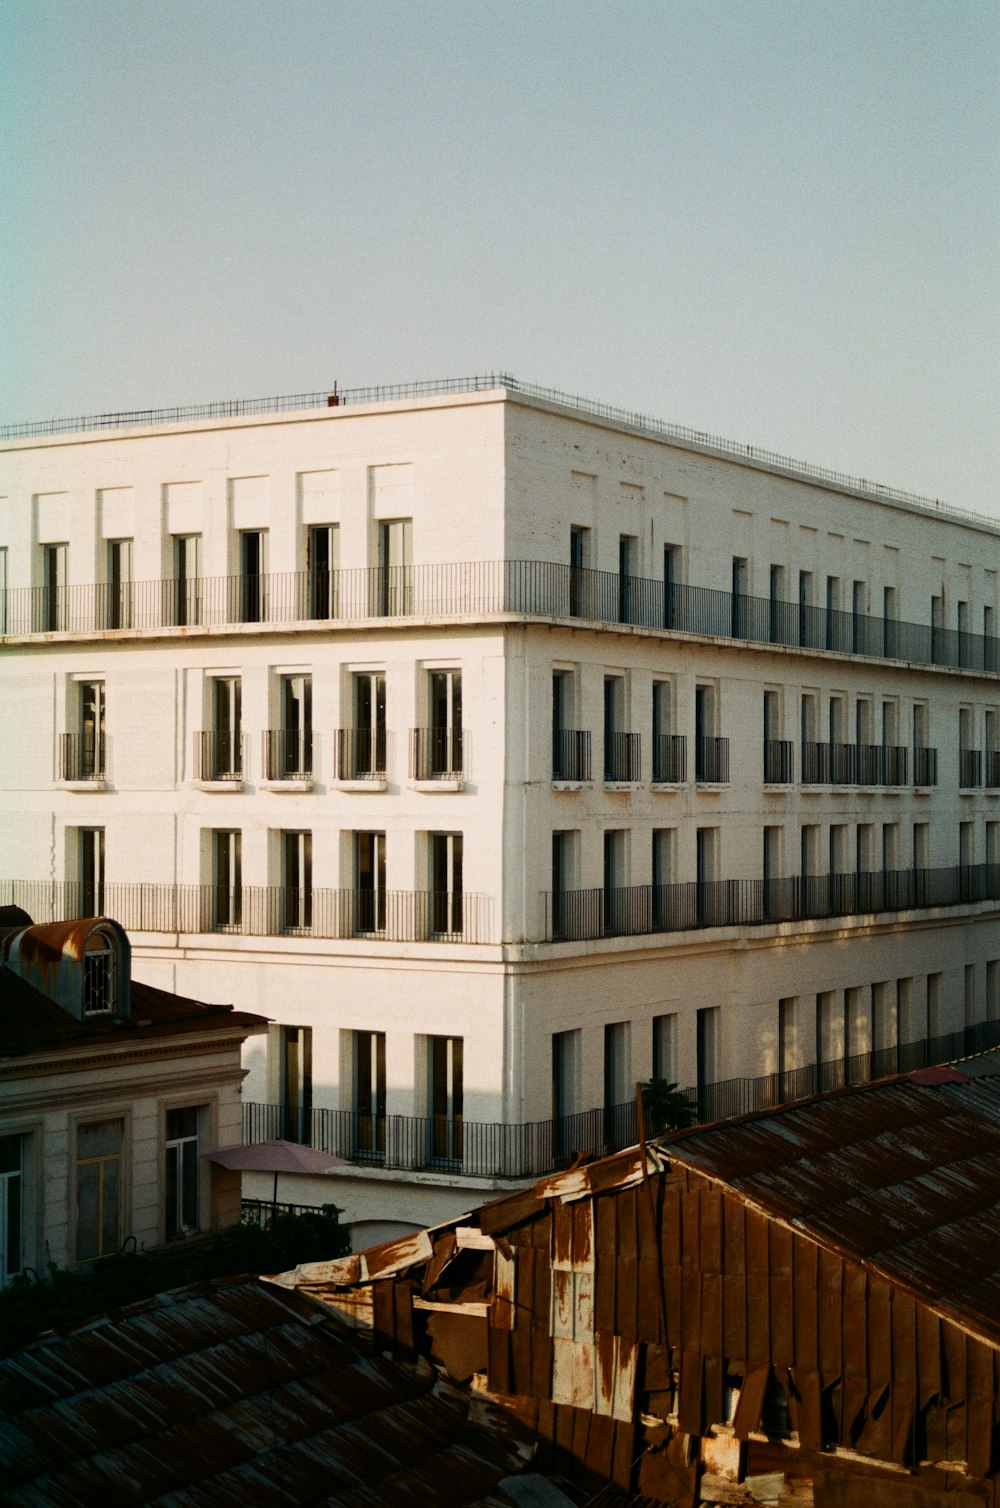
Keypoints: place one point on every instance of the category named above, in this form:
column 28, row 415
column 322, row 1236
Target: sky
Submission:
column 774, row 220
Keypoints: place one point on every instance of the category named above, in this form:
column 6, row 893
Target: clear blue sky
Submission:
column 775, row 221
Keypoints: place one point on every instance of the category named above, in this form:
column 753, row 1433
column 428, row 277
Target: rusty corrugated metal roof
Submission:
column 903, row 1175
column 238, row 1393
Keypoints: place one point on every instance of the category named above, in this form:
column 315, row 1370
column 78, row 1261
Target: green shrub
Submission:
column 666, row 1107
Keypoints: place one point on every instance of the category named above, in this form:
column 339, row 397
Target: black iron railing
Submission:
column 218, row 756
column 711, row 760
column 571, row 754
column 623, row 757
column 669, row 758
column 493, row 1149
column 360, row 753
column 264, row 911
column 970, row 768
column 635, row 910
column 779, row 761
column 863, row 764
column 288, row 754
column 436, row 753
column 925, row 766
column 992, row 769
column 520, row 587
column 82, row 756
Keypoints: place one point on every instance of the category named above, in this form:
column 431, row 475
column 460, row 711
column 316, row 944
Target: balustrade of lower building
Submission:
column 492, row 1149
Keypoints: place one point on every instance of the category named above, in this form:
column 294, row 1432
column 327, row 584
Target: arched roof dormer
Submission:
column 83, row 966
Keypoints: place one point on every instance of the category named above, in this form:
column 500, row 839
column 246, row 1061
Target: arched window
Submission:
column 100, row 975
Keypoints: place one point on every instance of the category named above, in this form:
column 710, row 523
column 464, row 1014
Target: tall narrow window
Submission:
column 710, row 906
column 566, row 1073
column 708, row 1048
column 84, row 751
column 832, row 612
column 54, row 588
column 740, row 605
column 579, row 564
column 290, row 748
column 672, row 616
column 439, row 754
column 859, row 594
column 937, row 630
column 227, row 880
column 666, row 1060
column 222, row 747
column 187, row 579
column 807, row 614
column 120, row 590
column 616, row 896
column 964, row 641
column 669, row 748
column 619, row 1086
column 90, row 842
column 369, row 753
column 395, row 552
column 890, row 626
column 369, row 882
column 564, row 920
column 322, row 562
column 628, row 586
column 446, row 1097
column 446, row 899
column 369, row 1094
column 778, row 627
column 570, row 746
column 296, row 881
column 181, row 1173
column 295, row 1082
column 5, row 617
column 98, row 1189
column 11, row 1207
column 253, row 579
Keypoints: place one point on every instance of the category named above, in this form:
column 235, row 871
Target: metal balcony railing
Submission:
column 82, row 756
column 263, row 911
column 669, row 758
column 992, row 769
column 529, row 1149
column 622, row 757
column 436, row 753
column 637, row 910
column 360, row 753
column 288, row 754
column 218, row 756
column 477, row 588
column 860, row 764
column 571, row 754
column 779, row 761
column 925, row 766
column 711, row 760
column 970, row 768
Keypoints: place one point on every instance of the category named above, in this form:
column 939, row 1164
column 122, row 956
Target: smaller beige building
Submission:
column 111, row 1092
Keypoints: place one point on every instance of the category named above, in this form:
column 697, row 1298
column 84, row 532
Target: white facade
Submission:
column 308, row 588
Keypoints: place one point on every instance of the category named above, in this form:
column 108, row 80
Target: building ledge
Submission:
column 220, row 787
column 368, row 785
column 446, row 783
column 293, row 785
column 96, row 783
column 666, row 787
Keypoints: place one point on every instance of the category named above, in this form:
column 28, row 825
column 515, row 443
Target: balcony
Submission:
column 857, row 764
column 992, row 775
column 640, row 910
column 360, row 754
column 436, row 754
column 779, row 761
column 478, row 588
column 622, row 758
column 219, row 757
column 82, row 758
column 288, row 754
column 527, row 1150
column 669, row 758
column 571, row 756
column 925, row 766
column 711, row 761
column 264, row 911
column 970, row 768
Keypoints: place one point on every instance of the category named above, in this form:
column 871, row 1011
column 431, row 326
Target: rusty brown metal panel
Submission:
column 903, row 1398
column 600, row 1446
column 981, row 1452
column 459, row 1342
column 954, row 1380
column 384, row 1311
column 806, row 1408
column 690, row 1249
column 831, row 1280
column 666, row 1474
column 855, row 1329
column 563, row 1459
column 690, row 1335
column 500, row 1370
column 445, row 1247
column 627, row 1296
column 780, row 1296
column 689, row 1393
column 711, row 1315
column 805, row 1303
column 710, row 1241
column 542, row 1293
column 624, row 1454
column 562, row 1235
column 649, row 1325
column 540, row 1377
column 403, row 1304
column 672, row 1292
column 583, row 1234
column 879, row 1334
column 504, row 1214
column 713, row 1390
column 758, row 1288
column 522, row 1372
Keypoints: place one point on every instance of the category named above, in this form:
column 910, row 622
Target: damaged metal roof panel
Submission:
column 237, row 1393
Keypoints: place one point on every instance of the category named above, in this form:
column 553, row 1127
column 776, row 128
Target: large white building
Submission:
column 502, row 749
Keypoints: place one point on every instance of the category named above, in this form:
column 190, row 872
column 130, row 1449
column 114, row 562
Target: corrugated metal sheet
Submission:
column 240, row 1394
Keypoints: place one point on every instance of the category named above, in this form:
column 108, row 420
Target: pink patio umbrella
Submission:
column 276, row 1157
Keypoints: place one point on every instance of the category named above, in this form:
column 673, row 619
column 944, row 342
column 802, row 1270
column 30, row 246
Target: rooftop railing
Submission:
column 532, row 588
column 493, row 1149
column 326, row 398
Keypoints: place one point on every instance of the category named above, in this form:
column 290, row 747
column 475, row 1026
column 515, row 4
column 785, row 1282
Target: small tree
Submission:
column 667, row 1107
